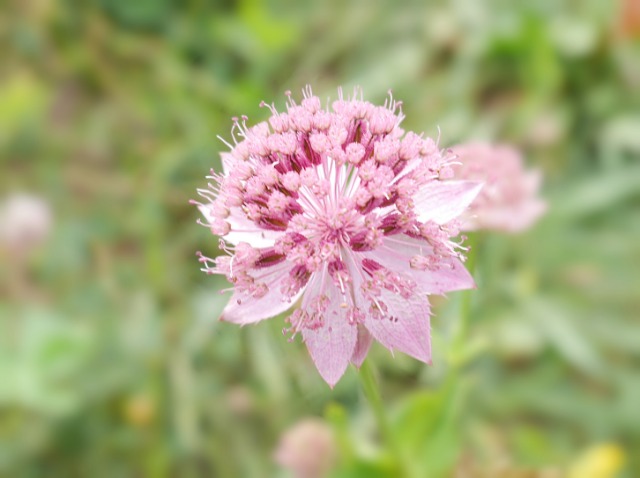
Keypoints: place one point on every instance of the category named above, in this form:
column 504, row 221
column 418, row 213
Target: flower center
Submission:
column 339, row 226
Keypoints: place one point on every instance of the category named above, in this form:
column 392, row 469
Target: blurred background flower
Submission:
column 308, row 449
column 25, row 222
column 111, row 358
column 509, row 200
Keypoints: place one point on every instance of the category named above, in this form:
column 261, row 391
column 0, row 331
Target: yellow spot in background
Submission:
column 139, row 410
column 602, row 461
column 21, row 97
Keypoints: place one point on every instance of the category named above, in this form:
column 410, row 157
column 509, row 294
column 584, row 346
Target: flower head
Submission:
column 343, row 210
column 308, row 449
column 509, row 199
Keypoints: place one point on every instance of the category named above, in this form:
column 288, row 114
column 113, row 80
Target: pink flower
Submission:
column 308, row 449
column 509, row 199
column 25, row 222
column 342, row 210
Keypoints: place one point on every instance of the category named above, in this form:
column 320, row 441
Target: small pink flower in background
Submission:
column 509, row 199
column 25, row 222
column 308, row 449
column 341, row 209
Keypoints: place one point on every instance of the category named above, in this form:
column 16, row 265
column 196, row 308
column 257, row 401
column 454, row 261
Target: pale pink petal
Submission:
column 331, row 345
column 244, row 309
column 396, row 252
column 205, row 210
column 405, row 326
column 442, row 201
column 410, row 333
column 531, row 182
column 227, row 161
column 513, row 219
column 243, row 229
column 534, row 210
column 412, row 164
column 362, row 346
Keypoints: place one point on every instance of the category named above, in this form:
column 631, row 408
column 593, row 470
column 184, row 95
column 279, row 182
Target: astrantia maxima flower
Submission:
column 339, row 208
column 509, row 199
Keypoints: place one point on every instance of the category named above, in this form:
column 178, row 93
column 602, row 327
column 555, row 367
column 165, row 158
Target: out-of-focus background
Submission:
column 112, row 362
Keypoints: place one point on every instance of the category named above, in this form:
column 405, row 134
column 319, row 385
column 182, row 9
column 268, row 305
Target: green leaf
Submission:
column 425, row 429
column 596, row 194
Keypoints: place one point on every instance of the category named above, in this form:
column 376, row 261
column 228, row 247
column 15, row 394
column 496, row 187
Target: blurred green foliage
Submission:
column 112, row 362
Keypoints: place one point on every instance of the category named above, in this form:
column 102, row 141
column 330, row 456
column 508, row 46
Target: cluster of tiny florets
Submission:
column 339, row 206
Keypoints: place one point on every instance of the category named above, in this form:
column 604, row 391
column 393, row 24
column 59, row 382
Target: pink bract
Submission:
column 340, row 209
column 509, row 200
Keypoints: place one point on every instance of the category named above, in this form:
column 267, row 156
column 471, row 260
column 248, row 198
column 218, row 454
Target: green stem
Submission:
column 371, row 392
column 370, row 388
column 465, row 309
column 464, row 321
